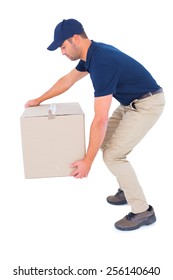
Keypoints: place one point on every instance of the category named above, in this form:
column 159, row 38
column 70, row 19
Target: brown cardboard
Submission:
column 53, row 137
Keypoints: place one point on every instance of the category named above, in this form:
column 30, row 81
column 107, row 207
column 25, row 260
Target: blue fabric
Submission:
column 114, row 72
column 65, row 30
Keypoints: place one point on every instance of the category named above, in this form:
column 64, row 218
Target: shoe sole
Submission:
column 118, row 202
column 147, row 222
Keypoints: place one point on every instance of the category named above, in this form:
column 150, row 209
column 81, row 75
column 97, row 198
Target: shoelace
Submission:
column 119, row 192
column 130, row 216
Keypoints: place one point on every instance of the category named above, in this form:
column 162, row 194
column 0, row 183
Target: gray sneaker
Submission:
column 118, row 198
column 134, row 221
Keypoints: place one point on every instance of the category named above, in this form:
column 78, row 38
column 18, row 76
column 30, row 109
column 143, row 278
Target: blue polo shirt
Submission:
column 114, row 72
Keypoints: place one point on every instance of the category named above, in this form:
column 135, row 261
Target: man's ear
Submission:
column 76, row 38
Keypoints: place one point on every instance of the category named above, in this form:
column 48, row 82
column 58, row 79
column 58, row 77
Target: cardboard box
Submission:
column 53, row 137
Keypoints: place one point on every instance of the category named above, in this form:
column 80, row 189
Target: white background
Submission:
column 65, row 221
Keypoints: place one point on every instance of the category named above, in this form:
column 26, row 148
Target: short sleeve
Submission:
column 81, row 66
column 105, row 79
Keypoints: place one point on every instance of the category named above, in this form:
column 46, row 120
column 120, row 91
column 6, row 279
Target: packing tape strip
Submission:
column 52, row 111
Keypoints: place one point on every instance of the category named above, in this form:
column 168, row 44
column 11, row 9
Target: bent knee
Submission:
column 110, row 155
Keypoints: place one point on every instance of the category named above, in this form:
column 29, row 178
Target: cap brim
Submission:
column 54, row 46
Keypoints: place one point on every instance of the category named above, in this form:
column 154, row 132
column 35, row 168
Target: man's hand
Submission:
column 82, row 169
column 97, row 134
column 33, row 102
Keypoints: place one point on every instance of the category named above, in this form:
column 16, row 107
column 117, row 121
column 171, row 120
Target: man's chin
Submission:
column 72, row 58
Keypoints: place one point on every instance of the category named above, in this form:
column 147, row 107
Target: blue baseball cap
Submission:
column 65, row 30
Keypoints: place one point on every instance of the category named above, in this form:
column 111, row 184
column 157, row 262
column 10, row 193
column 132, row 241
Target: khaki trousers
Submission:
column 126, row 127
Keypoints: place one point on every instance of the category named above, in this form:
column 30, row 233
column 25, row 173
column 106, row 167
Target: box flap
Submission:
column 60, row 109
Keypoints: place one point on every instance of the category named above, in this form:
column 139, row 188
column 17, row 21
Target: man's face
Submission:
column 70, row 49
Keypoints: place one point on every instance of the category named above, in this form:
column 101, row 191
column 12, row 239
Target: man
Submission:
column 114, row 75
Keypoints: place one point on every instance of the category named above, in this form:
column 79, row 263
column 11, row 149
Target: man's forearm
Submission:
column 97, row 135
column 59, row 87
column 62, row 85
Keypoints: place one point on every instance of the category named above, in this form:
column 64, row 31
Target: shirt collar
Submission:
column 90, row 52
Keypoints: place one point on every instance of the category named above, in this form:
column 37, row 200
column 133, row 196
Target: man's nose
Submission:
column 63, row 52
